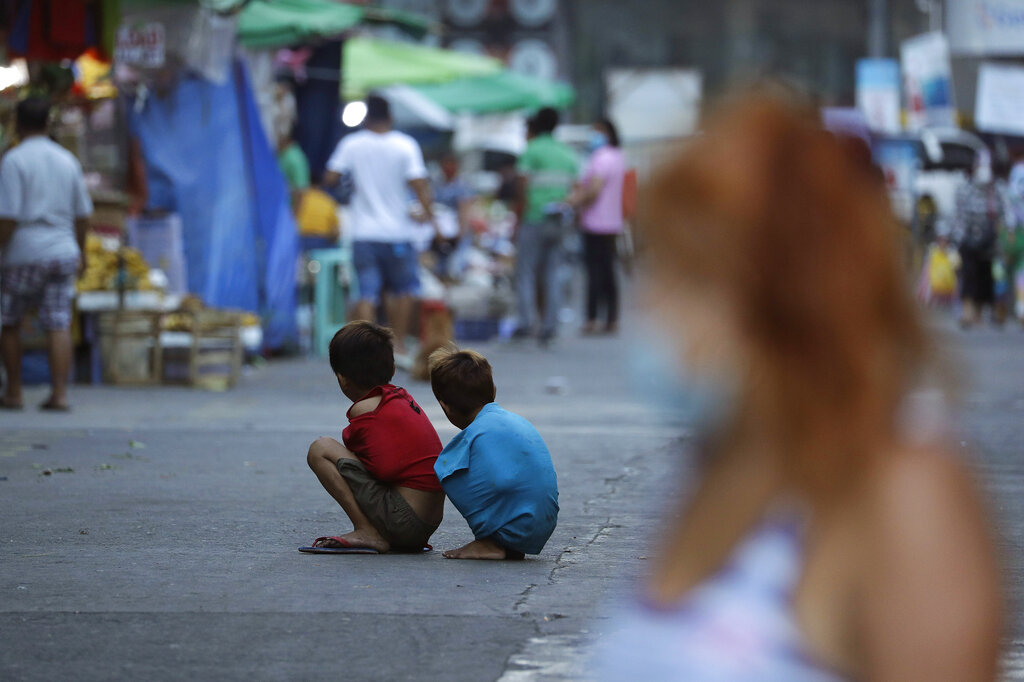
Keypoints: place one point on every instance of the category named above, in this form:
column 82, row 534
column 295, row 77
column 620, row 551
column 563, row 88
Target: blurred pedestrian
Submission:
column 383, row 164
column 284, row 112
column 825, row 538
column 1012, row 239
column 547, row 171
column 975, row 225
column 453, row 192
column 294, row 166
column 316, row 212
column 599, row 197
column 44, row 216
column 941, row 261
column 455, row 197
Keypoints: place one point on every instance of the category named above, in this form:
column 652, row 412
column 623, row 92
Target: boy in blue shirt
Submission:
column 498, row 471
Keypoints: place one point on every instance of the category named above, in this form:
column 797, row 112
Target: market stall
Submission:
column 192, row 235
column 430, row 88
column 210, row 170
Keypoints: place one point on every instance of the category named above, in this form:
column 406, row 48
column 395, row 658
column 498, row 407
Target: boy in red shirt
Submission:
column 383, row 476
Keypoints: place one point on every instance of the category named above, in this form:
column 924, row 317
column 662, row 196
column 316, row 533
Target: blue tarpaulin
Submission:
column 208, row 160
column 319, row 107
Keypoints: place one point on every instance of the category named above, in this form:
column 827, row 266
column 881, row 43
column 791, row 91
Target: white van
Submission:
column 931, row 164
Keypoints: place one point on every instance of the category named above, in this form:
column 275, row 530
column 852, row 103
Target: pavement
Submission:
column 152, row 532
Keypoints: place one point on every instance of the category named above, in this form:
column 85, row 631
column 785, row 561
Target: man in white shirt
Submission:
column 44, row 215
column 384, row 164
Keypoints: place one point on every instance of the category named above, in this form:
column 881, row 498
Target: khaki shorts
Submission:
column 386, row 509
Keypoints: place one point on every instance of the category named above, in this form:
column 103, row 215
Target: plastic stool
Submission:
column 334, row 285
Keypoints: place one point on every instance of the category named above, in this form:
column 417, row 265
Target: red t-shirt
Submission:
column 396, row 442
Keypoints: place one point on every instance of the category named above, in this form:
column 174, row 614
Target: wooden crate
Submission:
column 216, row 356
column 213, row 358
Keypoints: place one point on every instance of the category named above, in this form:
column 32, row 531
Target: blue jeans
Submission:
column 385, row 266
column 539, row 255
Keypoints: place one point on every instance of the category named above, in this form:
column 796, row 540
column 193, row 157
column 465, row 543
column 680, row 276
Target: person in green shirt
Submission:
column 294, row 167
column 547, row 173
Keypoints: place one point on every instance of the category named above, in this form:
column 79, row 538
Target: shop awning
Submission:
column 503, row 91
column 369, row 64
column 265, row 24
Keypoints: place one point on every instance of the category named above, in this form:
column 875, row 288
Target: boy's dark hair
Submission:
column 378, row 110
column 461, row 379
column 362, row 353
column 32, row 115
column 546, row 121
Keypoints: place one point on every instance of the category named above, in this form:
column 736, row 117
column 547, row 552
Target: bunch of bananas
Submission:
column 102, row 270
column 183, row 319
column 176, row 322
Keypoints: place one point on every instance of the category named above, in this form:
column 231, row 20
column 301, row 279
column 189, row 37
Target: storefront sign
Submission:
column 141, row 45
column 999, row 106
column 985, row 27
column 878, row 94
column 654, row 104
column 928, row 81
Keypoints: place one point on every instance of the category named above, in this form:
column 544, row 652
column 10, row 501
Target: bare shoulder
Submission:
column 930, row 582
column 364, row 406
column 922, row 479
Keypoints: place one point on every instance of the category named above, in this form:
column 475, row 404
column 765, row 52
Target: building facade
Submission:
column 812, row 43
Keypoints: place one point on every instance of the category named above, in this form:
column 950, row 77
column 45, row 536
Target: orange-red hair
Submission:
column 776, row 216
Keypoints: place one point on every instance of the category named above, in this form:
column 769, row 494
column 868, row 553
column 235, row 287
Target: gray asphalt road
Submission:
column 163, row 543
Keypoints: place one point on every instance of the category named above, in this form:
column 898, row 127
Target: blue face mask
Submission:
column 702, row 401
column 597, row 140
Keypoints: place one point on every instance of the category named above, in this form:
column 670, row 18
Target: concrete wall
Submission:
column 814, row 43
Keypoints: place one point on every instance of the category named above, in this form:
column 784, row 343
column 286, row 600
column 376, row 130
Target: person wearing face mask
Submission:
column 975, row 231
column 830, row 530
column 599, row 199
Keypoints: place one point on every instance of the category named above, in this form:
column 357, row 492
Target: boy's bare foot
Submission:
column 359, row 538
column 479, row 549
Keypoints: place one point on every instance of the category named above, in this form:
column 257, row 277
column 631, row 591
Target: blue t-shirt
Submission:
column 498, row 474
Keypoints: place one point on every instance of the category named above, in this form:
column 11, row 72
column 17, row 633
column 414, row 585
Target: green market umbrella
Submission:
column 502, row 91
column 369, row 64
column 267, row 24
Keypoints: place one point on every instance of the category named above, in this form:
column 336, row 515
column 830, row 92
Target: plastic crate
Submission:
column 334, row 285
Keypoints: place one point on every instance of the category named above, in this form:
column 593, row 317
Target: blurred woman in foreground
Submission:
column 825, row 538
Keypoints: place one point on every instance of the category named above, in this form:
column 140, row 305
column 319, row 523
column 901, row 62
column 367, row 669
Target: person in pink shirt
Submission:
column 598, row 197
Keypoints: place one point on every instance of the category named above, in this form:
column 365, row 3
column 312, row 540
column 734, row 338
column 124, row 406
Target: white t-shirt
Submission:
column 381, row 164
column 43, row 191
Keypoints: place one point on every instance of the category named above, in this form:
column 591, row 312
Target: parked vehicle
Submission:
column 927, row 168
